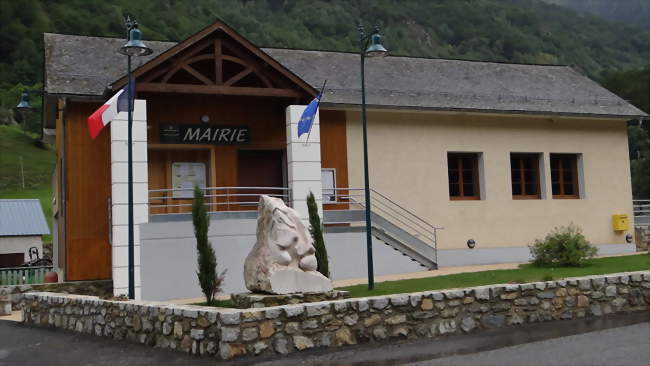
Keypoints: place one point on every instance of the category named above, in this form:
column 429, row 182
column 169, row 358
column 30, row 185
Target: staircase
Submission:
column 392, row 224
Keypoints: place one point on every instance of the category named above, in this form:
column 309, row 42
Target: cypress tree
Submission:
column 207, row 261
column 316, row 231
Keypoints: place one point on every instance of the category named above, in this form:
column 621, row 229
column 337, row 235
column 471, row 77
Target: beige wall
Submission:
column 20, row 244
column 408, row 162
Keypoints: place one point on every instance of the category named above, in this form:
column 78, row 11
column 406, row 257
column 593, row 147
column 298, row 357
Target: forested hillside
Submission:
column 636, row 12
column 501, row 30
column 634, row 85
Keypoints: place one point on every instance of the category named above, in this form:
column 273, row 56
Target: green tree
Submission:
column 634, row 85
column 209, row 281
column 316, row 231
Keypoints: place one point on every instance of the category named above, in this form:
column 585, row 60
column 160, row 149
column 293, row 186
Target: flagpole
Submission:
column 317, row 105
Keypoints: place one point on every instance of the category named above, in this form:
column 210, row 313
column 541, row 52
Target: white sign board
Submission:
column 185, row 176
column 328, row 181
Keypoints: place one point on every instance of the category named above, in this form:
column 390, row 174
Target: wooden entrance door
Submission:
column 259, row 168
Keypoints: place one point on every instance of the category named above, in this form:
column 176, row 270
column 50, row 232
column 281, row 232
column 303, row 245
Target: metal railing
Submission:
column 23, row 275
column 175, row 200
column 385, row 207
column 641, row 207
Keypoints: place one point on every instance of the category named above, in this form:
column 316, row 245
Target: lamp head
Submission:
column 135, row 46
column 376, row 49
column 24, row 105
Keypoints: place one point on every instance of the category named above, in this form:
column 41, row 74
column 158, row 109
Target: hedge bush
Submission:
column 564, row 246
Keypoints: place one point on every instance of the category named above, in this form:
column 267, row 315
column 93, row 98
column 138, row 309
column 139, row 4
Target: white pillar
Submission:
column 303, row 163
column 119, row 197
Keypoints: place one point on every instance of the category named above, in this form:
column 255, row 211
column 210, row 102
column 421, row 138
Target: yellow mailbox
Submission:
column 620, row 222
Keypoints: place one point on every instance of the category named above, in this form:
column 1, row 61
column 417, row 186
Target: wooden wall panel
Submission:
column 333, row 149
column 88, row 187
column 265, row 118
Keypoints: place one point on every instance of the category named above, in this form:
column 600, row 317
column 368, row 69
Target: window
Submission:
column 564, row 175
column 328, row 180
column 524, row 171
column 463, row 176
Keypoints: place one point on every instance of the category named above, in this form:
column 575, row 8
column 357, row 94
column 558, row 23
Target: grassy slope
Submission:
column 38, row 165
column 525, row 273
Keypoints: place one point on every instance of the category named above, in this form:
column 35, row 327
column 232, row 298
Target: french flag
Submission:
column 106, row 113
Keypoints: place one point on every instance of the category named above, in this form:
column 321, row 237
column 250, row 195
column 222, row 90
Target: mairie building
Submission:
column 461, row 154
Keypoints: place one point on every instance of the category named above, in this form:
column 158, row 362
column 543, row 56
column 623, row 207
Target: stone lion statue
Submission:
column 282, row 260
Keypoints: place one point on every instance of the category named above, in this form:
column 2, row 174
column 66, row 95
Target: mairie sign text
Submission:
column 204, row 134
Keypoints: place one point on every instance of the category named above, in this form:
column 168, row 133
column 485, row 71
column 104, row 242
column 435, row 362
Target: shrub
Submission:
column 209, row 280
column 316, row 231
column 564, row 246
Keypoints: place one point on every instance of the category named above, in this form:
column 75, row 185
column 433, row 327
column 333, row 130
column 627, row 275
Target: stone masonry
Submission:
column 100, row 288
column 284, row 329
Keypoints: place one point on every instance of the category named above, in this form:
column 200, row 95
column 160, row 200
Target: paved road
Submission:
column 605, row 341
column 27, row 346
column 629, row 346
column 621, row 340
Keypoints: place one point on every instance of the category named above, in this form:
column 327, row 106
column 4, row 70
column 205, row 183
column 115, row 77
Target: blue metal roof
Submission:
column 22, row 217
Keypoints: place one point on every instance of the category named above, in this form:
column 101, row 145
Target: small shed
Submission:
column 22, row 226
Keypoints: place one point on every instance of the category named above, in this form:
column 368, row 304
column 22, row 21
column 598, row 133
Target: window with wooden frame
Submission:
column 524, row 172
column 564, row 176
column 463, row 176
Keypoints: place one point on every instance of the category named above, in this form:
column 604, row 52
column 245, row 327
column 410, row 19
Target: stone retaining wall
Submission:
column 100, row 288
column 284, row 329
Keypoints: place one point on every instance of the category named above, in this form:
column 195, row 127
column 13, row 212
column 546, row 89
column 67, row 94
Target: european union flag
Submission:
column 307, row 118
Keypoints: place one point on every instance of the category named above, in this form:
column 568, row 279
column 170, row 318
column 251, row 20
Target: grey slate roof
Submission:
column 87, row 65
column 22, row 217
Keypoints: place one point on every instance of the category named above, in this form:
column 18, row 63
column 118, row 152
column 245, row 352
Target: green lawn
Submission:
column 38, row 165
column 525, row 273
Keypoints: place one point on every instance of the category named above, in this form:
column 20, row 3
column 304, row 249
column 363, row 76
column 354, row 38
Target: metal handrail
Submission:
column 214, row 194
column 389, row 209
column 405, row 210
column 216, row 188
column 419, row 221
column 641, row 207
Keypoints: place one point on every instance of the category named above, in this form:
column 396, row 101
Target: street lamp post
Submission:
column 24, row 105
column 369, row 46
column 133, row 47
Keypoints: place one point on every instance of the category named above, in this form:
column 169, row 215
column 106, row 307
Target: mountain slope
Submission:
column 634, row 12
column 523, row 31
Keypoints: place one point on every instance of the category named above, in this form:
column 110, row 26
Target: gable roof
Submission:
column 22, row 217
column 80, row 65
column 202, row 34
